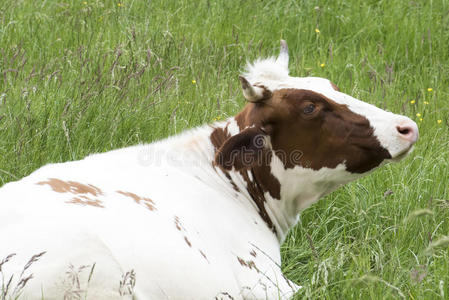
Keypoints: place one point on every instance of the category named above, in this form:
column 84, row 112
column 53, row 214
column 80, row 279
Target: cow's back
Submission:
column 172, row 229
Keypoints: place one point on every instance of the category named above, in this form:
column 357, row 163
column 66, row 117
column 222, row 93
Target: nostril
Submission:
column 403, row 130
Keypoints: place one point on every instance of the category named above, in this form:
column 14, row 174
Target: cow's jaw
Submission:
column 301, row 187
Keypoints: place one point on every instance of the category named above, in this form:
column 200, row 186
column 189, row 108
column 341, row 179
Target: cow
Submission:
column 200, row 215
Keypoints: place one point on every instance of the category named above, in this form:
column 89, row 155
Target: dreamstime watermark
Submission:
column 257, row 152
column 249, row 157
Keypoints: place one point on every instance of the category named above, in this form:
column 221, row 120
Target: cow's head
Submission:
column 306, row 125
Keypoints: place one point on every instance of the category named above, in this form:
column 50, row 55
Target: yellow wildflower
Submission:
column 85, row 2
column 412, row 102
column 429, row 90
column 193, row 81
column 317, row 30
column 119, row 4
column 439, row 121
column 420, row 119
column 418, row 115
column 322, row 65
column 425, row 102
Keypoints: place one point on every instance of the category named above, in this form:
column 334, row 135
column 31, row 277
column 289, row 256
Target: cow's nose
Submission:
column 408, row 130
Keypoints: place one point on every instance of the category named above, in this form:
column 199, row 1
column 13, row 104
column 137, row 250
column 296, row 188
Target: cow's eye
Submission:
column 309, row 109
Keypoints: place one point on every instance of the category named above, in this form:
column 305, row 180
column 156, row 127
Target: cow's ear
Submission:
column 254, row 93
column 242, row 150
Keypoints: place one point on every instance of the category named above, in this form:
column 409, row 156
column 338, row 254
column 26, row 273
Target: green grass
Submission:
column 77, row 78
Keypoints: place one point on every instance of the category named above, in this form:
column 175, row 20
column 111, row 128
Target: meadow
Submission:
column 79, row 77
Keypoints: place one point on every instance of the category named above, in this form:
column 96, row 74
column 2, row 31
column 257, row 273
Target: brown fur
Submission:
column 76, row 188
column 140, row 200
column 73, row 187
column 263, row 181
column 328, row 136
column 83, row 200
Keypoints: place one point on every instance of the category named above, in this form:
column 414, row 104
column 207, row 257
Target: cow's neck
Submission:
column 276, row 193
column 261, row 186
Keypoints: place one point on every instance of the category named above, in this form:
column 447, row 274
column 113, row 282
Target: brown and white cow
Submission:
column 200, row 215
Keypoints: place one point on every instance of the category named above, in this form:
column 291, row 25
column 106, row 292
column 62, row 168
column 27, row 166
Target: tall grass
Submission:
column 78, row 77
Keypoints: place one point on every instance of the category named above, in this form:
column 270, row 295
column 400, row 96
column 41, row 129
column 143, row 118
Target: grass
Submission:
column 78, row 77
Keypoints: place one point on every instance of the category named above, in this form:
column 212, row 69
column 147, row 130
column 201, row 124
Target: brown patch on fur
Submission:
column 73, row 187
column 263, row 181
column 266, row 93
column 335, row 87
column 178, row 224
column 234, row 186
column 83, row 200
column 218, row 137
column 256, row 191
column 181, row 228
column 204, row 255
column 327, row 137
column 147, row 202
column 77, row 188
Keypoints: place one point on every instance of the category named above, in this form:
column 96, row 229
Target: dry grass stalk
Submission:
column 21, row 282
column 127, row 283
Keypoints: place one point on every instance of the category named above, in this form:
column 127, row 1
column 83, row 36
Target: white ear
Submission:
column 254, row 93
column 282, row 59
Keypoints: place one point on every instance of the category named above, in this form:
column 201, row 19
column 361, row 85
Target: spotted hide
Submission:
column 200, row 215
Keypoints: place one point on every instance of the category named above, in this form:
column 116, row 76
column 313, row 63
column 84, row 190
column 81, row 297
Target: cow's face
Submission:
column 309, row 129
column 309, row 124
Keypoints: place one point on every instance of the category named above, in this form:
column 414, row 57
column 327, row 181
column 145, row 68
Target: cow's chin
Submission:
column 401, row 155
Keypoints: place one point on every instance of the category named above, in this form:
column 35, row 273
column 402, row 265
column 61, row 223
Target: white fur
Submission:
column 203, row 240
column 178, row 176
